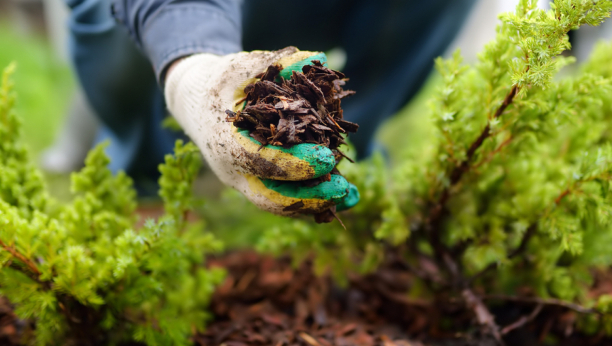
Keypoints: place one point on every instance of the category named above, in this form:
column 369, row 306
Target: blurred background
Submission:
column 59, row 126
column 33, row 34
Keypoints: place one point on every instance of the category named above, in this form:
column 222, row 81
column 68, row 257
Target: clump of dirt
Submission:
column 303, row 109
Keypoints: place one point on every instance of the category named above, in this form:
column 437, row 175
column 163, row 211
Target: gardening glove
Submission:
column 198, row 91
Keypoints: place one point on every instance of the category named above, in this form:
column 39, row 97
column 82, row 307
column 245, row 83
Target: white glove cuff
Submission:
column 185, row 67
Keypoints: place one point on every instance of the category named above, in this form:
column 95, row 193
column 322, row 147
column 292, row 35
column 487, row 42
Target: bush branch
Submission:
column 459, row 170
column 523, row 320
column 433, row 223
column 483, row 315
column 495, row 152
column 433, row 228
column 562, row 195
column 544, row 301
column 531, row 230
column 28, row 263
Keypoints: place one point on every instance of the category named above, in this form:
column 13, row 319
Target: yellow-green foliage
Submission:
column 20, row 184
column 532, row 201
column 83, row 270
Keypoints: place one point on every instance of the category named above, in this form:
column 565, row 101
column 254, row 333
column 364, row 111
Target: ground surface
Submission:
column 266, row 301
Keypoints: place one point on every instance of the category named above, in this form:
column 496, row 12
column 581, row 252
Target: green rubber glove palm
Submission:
column 198, row 91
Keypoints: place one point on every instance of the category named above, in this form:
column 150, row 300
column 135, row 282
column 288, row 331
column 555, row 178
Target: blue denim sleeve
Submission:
column 166, row 30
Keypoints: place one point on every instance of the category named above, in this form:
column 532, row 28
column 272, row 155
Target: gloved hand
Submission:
column 201, row 87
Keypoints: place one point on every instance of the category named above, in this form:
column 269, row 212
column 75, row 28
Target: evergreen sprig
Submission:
column 20, row 184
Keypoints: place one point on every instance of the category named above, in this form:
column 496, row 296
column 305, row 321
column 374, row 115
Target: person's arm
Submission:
column 200, row 88
column 166, row 30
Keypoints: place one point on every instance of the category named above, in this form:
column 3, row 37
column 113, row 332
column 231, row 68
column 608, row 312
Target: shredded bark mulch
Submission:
column 303, row 109
column 266, row 301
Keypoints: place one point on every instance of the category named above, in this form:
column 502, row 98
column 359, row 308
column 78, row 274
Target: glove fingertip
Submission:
column 350, row 200
column 332, row 190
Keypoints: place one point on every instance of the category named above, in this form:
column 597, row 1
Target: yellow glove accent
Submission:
column 287, row 167
column 310, row 204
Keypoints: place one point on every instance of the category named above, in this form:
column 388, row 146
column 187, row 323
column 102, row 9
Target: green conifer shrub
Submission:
column 511, row 187
column 82, row 271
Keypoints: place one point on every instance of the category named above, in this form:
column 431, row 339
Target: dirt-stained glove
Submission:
column 201, row 87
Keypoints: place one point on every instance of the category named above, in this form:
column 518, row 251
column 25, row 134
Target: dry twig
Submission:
column 544, row 301
column 483, row 315
column 523, row 320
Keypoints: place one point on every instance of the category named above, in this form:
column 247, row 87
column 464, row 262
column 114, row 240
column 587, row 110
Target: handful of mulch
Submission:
column 303, row 109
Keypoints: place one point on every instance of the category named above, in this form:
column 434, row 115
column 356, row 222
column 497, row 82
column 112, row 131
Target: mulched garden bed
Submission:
column 265, row 301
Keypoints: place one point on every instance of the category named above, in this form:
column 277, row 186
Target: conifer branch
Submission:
column 526, row 237
column 433, row 228
column 459, row 170
column 562, row 195
column 29, row 264
column 574, row 187
column 495, row 152
column 433, row 222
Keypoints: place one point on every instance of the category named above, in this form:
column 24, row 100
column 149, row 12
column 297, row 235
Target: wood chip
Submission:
column 309, row 339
